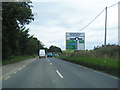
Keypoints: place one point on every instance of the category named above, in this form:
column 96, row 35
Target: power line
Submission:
column 113, row 5
column 93, row 20
column 98, row 16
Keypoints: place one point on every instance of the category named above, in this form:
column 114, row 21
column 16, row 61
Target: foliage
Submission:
column 54, row 49
column 15, row 38
column 14, row 59
column 109, row 52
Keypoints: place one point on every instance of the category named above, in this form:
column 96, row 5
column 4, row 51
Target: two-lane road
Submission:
column 56, row 73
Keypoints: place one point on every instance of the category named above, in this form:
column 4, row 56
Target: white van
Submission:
column 42, row 53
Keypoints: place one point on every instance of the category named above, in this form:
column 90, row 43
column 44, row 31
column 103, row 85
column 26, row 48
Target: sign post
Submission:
column 75, row 41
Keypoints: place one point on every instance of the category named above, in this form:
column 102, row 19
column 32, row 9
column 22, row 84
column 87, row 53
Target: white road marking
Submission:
column 95, row 71
column 24, row 66
column 50, row 63
column 7, row 78
column 59, row 73
column 14, row 72
column 98, row 72
column 109, row 75
column 19, row 68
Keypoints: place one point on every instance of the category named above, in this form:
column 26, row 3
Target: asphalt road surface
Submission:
column 56, row 73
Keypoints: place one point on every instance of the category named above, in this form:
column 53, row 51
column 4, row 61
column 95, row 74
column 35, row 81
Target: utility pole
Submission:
column 118, row 23
column 105, row 26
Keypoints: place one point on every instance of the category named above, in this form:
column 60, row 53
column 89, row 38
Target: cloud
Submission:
column 49, row 35
column 54, row 19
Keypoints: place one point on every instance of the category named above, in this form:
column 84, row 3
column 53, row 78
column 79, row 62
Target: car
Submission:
column 49, row 54
column 56, row 54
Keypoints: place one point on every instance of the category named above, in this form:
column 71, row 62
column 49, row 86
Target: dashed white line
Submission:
column 7, row 78
column 19, row 68
column 59, row 73
column 50, row 63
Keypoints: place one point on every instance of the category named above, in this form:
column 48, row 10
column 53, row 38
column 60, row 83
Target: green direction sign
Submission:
column 81, row 41
column 70, row 44
column 75, row 38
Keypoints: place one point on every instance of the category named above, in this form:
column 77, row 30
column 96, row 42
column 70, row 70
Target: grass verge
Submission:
column 104, row 65
column 14, row 59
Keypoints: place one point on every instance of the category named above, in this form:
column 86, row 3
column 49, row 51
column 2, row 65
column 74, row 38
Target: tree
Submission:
column 15, row 37
column 55, row 49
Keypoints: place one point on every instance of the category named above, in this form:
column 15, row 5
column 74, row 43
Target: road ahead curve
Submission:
column 56, row 73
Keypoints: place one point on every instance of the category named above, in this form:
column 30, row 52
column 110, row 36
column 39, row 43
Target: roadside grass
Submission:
column 14, row 59
column 106, row 65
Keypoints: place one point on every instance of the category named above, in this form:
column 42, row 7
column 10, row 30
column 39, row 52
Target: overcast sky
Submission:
column 55, row 18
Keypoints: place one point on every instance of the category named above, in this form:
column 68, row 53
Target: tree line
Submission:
column 54, row 49
column 15, row 38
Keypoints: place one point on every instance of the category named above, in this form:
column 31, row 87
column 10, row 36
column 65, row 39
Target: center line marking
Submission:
column 7, row 78
column 59, row 74
column 19, row 68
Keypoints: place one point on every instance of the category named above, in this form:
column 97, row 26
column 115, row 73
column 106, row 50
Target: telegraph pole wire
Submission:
column 98, row 16
column 113, row 5
column 93, row 20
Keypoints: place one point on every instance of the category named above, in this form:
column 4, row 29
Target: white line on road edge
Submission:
column 19, row 68
column 7, row 78
column 59, row 74
column 50, row 63
column 98, row 72
column 14, row 73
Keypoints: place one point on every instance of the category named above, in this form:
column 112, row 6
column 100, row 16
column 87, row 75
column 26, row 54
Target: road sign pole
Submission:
column 77, row 43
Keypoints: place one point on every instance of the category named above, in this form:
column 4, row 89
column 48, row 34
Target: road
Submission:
column 56, row 73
